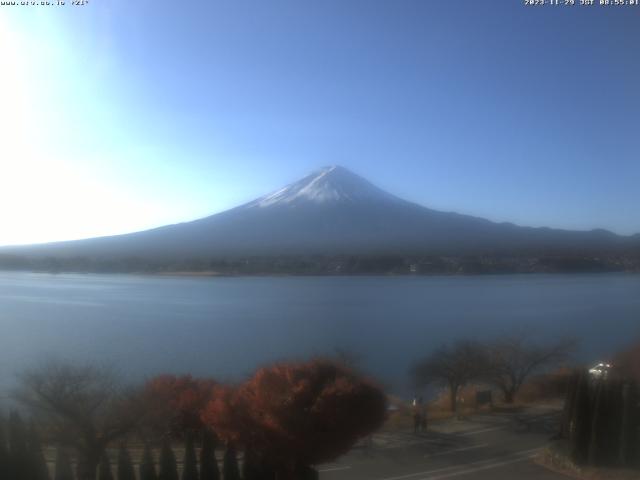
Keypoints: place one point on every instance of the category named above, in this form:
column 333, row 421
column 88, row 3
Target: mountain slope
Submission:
column 334, row 211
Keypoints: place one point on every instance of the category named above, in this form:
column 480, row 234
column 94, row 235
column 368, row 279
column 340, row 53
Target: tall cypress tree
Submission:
column 4, row 452
column 20, row 466
column 190, row 464
column 208, row 463
column 305, row 472
column 633, row 433
column 604, row 424
column 230, row 468
column 104, row 468
column 250, row 466
column 37, row 462
column 613, row 409
column 581, row 421
column 168, row 467
column 598, row 423
column 147, row 469
column 63, row 465
column 254, row 467
column 569, row 405
column 125, row 465
column 629, row 450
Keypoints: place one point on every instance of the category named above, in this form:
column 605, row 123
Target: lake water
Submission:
column 225, row 327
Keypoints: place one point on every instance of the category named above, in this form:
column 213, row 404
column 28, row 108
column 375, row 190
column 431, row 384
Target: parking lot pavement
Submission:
column 481, row 447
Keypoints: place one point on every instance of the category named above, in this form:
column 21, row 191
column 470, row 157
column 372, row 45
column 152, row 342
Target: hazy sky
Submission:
column 123, row 115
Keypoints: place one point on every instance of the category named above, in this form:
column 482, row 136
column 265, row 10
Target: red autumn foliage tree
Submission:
column 227, row 414
column 176, row 402
column 296, row 415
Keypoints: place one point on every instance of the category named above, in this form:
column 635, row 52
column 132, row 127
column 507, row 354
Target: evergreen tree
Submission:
column 305, row 472
column 168, row 467
column 104, row 468
column 581, row 421
column 632, row 433
column 312, row 474
column 634, row 421
column 87, row 461
column 254, row 467
column 147, row 469
column 604, row 423
column 63, row 465
column 20, row 466
column 613, row 409
column 599, row 417
column 190, row 464
column 208, row 463
column 569, row 405
column 37, row 462
column 250, row 466
column 230, row 468
column 4, row 452
column 125, row 465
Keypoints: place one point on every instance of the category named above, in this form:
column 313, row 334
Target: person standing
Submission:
column 418, row 415
column 423, row 418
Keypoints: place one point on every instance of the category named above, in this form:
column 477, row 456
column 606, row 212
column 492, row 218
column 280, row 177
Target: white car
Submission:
column 600, row 370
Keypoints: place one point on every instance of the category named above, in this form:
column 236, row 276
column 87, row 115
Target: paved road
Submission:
column 496, row 447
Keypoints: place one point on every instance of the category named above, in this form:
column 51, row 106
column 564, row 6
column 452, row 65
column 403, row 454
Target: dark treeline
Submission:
column 331, row 264
column 21, row 454
column 601, row 421
column 93, row 421
column 22, row 457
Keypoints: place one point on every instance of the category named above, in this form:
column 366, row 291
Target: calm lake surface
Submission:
column 226, row 327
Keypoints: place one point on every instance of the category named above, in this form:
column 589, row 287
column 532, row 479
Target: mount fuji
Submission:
column 333, row 212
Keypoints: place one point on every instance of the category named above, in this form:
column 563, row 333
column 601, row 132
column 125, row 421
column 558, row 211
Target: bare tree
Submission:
column 627, row 362
column 513, row 359
column 453, row 366
column 84, row 407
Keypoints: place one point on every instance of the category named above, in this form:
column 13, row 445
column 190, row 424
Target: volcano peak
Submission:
column 332, row 184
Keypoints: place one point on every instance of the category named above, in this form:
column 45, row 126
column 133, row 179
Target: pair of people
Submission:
column 419, row 415
column 419, row 423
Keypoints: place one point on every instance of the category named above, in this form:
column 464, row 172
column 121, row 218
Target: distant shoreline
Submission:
column 334, row 265
column 214, row 274
column 210, row 273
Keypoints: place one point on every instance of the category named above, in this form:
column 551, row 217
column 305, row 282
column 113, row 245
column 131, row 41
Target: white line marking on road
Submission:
column 408, row 442
column 481, row 431
column 523, row 453
column 333, row 469
column 409, row 475
column 462, row 449
column 479, row 469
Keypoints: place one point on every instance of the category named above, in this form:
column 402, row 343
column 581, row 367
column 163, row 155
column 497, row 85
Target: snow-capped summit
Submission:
column 329, row 185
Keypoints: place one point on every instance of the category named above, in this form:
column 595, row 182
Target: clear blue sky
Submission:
column 124, row 115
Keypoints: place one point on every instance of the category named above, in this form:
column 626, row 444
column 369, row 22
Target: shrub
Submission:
column 296, row 415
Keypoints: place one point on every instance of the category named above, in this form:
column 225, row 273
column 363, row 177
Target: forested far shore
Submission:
column 331, row 264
